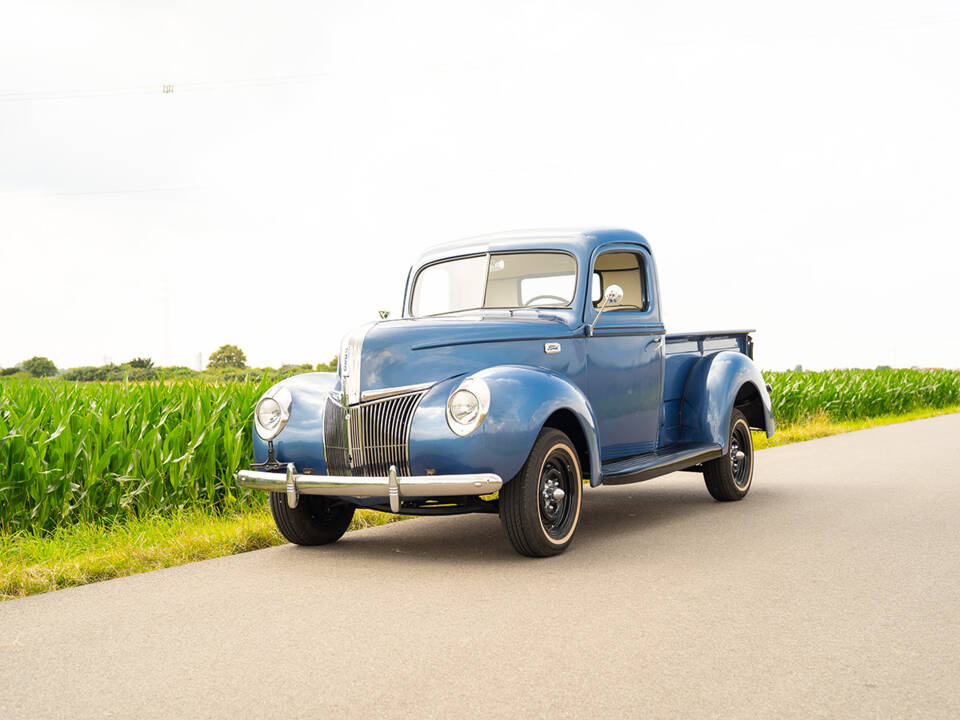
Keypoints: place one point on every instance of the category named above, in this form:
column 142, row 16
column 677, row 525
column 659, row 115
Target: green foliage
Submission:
column 39, row 367
column 141, row 363
column 8, row 371
column 71, row 452
column 111, row 373
column 227, row 356
column 853, row 394
column 328, row 366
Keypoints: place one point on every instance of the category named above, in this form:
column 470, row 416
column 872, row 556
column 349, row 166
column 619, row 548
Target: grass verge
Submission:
column 821, row 425
column 86, row 552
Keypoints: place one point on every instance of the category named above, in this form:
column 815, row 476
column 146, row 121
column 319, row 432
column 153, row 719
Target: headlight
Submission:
column 272, row 413
column 467, row 406
column 268, row 413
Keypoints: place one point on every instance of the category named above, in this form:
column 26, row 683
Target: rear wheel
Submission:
column 729, row 476
column 315, row 520
column 540, row 507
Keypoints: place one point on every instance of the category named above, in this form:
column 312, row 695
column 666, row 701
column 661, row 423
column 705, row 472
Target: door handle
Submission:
column 657, row 340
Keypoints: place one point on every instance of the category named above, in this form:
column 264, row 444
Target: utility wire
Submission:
column 97, row 192
column 160, row 88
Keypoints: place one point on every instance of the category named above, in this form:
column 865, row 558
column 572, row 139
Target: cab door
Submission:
column 625, row 353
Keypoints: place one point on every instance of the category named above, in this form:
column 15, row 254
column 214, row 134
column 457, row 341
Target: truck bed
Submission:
column 704, row 343
column 682, row 350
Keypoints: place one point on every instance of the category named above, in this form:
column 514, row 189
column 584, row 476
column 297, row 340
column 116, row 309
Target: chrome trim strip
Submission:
column 351, row 355
column 368, row 395
column 351, row 486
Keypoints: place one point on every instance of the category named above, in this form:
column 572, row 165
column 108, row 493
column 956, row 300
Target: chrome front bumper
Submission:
column 391, row 486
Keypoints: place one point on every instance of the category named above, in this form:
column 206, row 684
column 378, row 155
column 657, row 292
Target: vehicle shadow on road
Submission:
column 612, row 515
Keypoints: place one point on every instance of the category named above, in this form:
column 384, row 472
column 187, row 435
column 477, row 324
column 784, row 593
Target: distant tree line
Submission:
column 228, row 362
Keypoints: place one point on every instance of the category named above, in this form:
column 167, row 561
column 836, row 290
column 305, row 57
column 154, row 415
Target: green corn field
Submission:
column 854, row 394
column 90, row 451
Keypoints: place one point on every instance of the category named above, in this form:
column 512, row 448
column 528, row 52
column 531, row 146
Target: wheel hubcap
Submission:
column 556, row 493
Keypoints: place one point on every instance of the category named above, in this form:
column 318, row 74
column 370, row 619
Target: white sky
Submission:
column 795, row 166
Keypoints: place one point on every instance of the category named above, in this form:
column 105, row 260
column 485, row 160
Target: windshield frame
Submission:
column 488, row 255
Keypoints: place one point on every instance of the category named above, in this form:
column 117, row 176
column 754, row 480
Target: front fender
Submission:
column 522, row 398
column 710, row 393
column 301, row 440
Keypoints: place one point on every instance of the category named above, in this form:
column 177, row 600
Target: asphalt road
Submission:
column 833, row 590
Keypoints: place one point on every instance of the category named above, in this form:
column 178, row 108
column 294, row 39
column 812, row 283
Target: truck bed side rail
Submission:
column 704, row 343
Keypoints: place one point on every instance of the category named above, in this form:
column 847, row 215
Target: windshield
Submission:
column 502, row 280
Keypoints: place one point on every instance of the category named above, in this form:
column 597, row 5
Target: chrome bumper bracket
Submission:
column 293, row 495
column 393, row 487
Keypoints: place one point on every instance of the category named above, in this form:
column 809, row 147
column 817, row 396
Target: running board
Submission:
column 661, row 462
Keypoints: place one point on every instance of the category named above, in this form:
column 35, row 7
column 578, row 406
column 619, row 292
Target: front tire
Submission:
column 315, row 520
column 729, row 476
column 540, row 507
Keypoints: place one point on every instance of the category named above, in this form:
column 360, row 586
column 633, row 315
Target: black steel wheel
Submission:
column 316, row 520
column 729, row 476
column 540, row 507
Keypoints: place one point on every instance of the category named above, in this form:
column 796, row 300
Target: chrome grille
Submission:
column 367, row 438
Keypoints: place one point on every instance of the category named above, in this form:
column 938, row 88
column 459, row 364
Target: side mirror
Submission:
column 612, row 297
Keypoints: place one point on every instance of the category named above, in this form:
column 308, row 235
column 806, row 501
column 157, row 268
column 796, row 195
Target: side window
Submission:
column 626, row 270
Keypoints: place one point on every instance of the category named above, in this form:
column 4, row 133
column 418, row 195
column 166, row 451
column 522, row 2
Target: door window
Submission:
column 625, row 269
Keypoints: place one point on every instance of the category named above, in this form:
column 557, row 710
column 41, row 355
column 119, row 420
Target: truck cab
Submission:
column 523, row 364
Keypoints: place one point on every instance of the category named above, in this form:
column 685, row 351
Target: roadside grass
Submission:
column 820, row 425
column 32, row 563
column 86, row 552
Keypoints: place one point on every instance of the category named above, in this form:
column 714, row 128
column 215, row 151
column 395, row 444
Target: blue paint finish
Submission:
column 709, row 395
column 413, row 351
column 676, row 371
column 630, row 394
column 522, row 398
column 301, row 440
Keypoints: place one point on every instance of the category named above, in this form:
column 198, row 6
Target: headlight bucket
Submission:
column 467, row 406
column 272, row 412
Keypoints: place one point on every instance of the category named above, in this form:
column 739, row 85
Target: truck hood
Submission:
column 411, row 351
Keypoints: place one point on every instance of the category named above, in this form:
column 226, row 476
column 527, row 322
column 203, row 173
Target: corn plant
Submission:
column 854, row 394
column 71, row 451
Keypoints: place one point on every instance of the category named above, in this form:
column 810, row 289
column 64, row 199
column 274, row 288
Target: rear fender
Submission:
column 522, row 399
column 710, row 394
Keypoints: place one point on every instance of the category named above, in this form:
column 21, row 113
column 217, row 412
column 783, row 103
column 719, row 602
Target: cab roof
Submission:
column 581, row 242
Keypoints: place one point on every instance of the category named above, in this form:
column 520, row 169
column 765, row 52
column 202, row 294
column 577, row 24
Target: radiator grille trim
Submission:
column 365, row 439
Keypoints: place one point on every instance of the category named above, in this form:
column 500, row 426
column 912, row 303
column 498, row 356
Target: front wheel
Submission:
column 315, row 520
column 540, row 507
column 729, row 476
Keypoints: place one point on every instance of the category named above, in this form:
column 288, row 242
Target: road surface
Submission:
column 833, row 590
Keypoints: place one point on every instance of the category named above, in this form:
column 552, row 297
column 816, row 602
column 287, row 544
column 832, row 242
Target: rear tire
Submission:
column 729, row 476
column 315, row 520
column 538, row 522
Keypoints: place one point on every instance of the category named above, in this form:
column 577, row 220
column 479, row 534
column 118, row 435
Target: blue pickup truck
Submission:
column 523, row 364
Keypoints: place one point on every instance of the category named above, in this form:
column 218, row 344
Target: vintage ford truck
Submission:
column 523, row 364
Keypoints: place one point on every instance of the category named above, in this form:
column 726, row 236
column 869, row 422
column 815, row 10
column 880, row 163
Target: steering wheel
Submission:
column 562, row 301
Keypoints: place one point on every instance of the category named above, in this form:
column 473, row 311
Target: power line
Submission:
column 97, row 192
column 159, row 89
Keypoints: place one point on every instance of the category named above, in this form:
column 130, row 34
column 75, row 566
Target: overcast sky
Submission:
column 796, row 167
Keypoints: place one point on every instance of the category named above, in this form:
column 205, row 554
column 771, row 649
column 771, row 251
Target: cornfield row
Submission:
column 71, row 451
column 853, row 394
